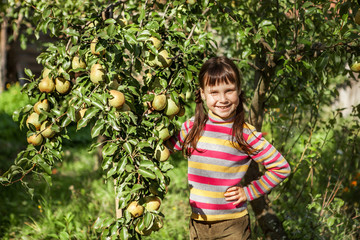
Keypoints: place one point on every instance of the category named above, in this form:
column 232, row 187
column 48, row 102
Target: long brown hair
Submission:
column 215, row 71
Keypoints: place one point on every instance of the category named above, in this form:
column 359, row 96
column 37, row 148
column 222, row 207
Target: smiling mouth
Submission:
column 223, row 107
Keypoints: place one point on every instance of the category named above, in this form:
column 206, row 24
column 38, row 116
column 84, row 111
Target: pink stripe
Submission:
column 249, row 193
column 213, row 181
column 257, row 139
column 277, row 174
column 258, row 188
column 220, row 155
column 262, row 152
column 210, row 206
column 218, row 129
column 268, row 181
column 271, row 161
column 186, row 126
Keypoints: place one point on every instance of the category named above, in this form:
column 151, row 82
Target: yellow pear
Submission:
column 164, row 59
column 135, row 209
column 97, row 73
column 33, row 119
column 155, row 42
column 42, row 106
column 152, row 203
column 46, row 130
column 35, row 139
column 93, row 47
column 118, row 99
column 46, row 85
column 77, row 63
column 162, row 155
column 62, row 86
column 159, row 102
column 355, row 67
column 171, row 108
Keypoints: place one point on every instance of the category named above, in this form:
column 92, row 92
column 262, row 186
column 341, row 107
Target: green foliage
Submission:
column 298, row 50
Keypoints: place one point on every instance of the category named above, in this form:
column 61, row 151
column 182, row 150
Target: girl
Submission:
column 220, row 145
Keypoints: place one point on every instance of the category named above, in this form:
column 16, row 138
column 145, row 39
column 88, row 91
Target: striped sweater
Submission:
column 218, row 165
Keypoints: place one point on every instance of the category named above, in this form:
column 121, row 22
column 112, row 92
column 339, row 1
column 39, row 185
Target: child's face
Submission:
column 221, row 99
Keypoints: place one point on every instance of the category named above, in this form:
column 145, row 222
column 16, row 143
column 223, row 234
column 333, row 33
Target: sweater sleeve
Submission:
column 176, row 142
column 277, row 168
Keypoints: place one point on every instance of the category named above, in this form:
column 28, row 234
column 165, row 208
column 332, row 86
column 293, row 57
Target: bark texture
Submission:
column 269, row 223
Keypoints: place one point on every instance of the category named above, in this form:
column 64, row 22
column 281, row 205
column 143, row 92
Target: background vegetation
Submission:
column 294, row 58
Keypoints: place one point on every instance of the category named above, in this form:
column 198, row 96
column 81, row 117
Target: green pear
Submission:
column 118, row 99
column 35, row 139
column 33, row 119
column 171, row 108
column 97, row 73
column 159, row 102
column 162, row 155
column 46, row 130
column 46, row 85
column 77, row 63
column 42, row 106
column 62, row 86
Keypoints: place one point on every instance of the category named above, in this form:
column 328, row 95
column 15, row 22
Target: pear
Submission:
column 144, row 232
column 355, row 67
column 181, row 112
column 164, row 59
column 135, row 209
column 42, row 106
column 357, row 17
column 46, row 85
column 125, row 108
column 118, row 99
column 34, row 120
column 97, row 73
column 190, row 2
column 93, row 46
column 159, row 102
column 46, row 130
column 155, row 42
column 77, row 63
column 171, row 108
column 62, row 86
column 152, row 203
column 162, row 155
column 35, row 139
column 164, row 133
column 158, row 224
column 46, row 72
column 82, row 112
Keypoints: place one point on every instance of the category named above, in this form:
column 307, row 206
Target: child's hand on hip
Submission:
column 236, row 194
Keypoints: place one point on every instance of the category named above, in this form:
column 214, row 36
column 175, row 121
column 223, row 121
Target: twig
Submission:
column 7, row 184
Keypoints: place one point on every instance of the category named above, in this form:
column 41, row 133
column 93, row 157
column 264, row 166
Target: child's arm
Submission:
column 277, row 168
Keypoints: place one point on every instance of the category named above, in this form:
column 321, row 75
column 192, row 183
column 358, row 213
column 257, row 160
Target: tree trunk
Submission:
column 268, row 221
column 3, row 43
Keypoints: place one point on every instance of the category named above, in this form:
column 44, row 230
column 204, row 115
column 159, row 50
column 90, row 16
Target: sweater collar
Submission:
column 216, row 119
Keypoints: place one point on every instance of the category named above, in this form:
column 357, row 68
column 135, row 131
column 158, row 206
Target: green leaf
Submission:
column 28, row 72
column 136, row 188
column 128, row 148
column 99, row 125
column 109, row 149
column 146, row 173
column 124, row 233
column 71, row 32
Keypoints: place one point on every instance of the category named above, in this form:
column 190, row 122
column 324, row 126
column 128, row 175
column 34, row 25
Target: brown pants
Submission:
column 234, row 229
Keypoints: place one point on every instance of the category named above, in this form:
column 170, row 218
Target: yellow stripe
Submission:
column 264, row 185
column 225, row 143
column 183, row 133
column 260, row 146
column 254, row 191
column 272, row 176
column 217, row 168
column 205, row 193
column 218, row 217
column 267, row 156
